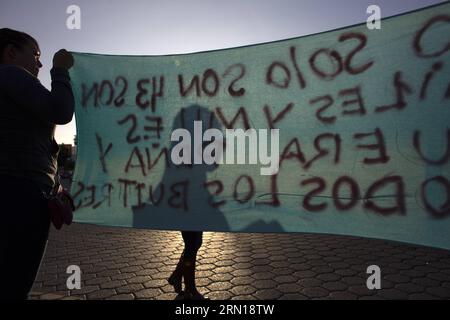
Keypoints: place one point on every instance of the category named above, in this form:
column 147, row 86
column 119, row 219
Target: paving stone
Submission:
column 322, row 269
column 400, row 266
column 155, row 283
column 328, row 277
column 220, row 270
column 51, row 296
column 362, row 290
column 138, row 279
column 161, row 275
column 127, row 296
column 242, row 259
column 131, row 288
column 204, row 281
column 439, row 292
column 398, row 278
column 342, row 295
column 310, row 282
column 123, row 276
column 264, row 284
column 219, row 286
column 71, row 298
column 107, row 273
column 258, row 269
column 393, row 294
column 243, row 297
column 354, row 280
column 289, row 288
column 242, row 289
column 439, row 276
column 285, row 279
column 221, row 277
column 85, row 290
column 277, row 258
column 101, row 294
column 166, row 296
column 208, row 266
column 339, row 265
column 421, row 296
column 267, row 294
column 97, row 281
column 300, row 266
column 409, row 288
column 315, row 292
column 372, row 297
column 304, row 274
column 282, row 271
column 335, row 286
column 224, row 263
column 241, row 272
column 219, row 295
column 147, row 293
column 242, row 281
column 293, row 296
column 112, row 284
column 206, row 273
column 262, row 275
column 426, row 282
column 346, row 272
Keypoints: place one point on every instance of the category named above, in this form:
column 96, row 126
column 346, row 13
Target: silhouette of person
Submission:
column 28, row 158
column 182, row 202
column 190, row 208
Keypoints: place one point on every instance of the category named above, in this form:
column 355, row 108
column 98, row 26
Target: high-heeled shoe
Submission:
column 175, row 281
column 190, row 289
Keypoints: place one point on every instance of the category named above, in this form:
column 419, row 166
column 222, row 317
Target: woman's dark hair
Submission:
column 16, row 38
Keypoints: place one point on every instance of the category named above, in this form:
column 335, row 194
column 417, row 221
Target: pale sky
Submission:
column 159, row 27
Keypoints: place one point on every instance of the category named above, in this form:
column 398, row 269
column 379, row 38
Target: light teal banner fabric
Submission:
column 364, row 134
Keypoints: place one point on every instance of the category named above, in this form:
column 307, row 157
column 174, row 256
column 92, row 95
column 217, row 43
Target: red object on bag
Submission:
column 61, row 208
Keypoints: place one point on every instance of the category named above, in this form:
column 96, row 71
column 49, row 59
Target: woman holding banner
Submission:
column 28, row 158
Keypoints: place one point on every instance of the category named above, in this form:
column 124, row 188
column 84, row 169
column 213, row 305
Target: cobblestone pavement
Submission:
column 121, row 263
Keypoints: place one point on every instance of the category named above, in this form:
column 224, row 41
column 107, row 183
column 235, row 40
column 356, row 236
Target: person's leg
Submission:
column 193, row 242
column 176, row 277
column 24, row 233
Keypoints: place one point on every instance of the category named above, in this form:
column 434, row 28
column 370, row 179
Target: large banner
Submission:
column 343, row 132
